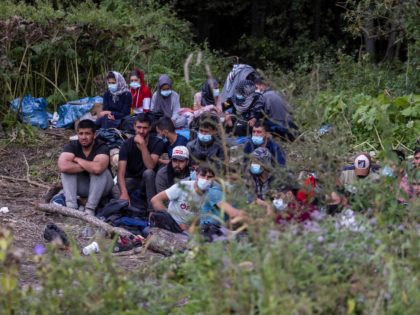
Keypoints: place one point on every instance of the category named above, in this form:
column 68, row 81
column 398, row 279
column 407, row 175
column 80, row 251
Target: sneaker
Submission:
column 59, row 200
column 123, row 244
column 128, row 243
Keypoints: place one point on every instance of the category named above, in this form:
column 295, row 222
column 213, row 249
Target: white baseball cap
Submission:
column 180, row 153
column 361, row 165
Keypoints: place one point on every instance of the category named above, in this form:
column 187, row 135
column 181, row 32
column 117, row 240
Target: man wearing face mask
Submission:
column 261, row 138
column 278, row 111
column 260, row 170
column 166, row 131
column 185, row 198
column 177, row 169
column 165, row 101
column 116, row 102
column 206, row 148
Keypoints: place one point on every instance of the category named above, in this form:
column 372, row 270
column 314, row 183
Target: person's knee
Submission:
column 149, row 174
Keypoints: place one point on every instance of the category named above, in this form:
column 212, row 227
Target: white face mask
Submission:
column 203, row 184
column 279, row 204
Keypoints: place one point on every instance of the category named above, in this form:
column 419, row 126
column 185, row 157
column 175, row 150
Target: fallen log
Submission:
column 158, row 240
column 51, row 208
column 165, row 242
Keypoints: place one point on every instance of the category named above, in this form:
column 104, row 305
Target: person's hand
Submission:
column 104, row 113
column 125, row 196
column 139, row 140
column 228, row 121
column 76, row 159
column 111, row 117
column 252, row 122
column 261, row 202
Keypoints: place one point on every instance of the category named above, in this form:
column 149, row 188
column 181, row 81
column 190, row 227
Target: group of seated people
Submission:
column 177, row 183
column 249, row 100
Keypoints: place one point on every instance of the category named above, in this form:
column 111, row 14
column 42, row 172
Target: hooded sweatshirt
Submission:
column 170, row 105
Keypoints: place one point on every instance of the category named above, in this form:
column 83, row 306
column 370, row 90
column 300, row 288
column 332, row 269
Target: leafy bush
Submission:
column 64, row 54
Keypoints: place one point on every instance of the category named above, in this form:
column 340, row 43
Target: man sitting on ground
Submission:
column 278, row 111
column 84, row 168
column 262, row 138
column 178, row 168
column 185, row 198
column 260, row 169
column 166, row 130
column 138, row 160
column 206, row 148
column 360, row 171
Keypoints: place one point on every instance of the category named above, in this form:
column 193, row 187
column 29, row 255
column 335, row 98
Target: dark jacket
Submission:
column 274, row 148
column 212, row 152
column 121, row 107
column 165, row 178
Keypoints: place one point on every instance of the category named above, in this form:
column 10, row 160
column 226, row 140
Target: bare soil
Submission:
column 26, row 223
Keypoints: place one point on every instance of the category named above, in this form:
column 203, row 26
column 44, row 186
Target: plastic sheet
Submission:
column 74, row 110
column 33, row 111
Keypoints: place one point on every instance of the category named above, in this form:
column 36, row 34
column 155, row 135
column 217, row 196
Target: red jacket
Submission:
column 141, row 93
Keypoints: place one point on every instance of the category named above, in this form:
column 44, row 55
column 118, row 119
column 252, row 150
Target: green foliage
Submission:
column 62, row 54
column 380, row 122
column 18, row 132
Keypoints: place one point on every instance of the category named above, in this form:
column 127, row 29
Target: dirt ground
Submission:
column 26, row 223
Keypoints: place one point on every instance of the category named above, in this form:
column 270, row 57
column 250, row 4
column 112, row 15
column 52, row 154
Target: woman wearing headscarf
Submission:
column 116, row 103
column 244, row 108
column 208, row 99
column 165, row 101
column 140, row 92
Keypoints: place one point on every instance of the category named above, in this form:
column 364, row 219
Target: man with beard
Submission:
column 138, row 161
column 178, row 168
column 84, row 168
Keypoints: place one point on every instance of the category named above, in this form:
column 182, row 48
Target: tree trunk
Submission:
column 159, row 240
column 258, row 15
column 165, row 242
column 368, row 35
column 51, row 208
column 317, row 19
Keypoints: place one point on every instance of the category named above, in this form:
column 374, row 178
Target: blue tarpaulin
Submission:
column 33, row 110
column 72, row 111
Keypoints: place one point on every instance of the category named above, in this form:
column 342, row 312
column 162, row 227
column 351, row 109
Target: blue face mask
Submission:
column 240, row 98
column 257, row 140
column 193, row 175
column 216, row 92
column 387, row 171
column 256, row 169
column 279, row 204
column 163, row 138
column 135, row 85
column 112, row 87
column 203, row 184
column 165, row 93
column 204, row 138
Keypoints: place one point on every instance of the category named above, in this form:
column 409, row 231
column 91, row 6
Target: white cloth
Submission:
column 184, row 202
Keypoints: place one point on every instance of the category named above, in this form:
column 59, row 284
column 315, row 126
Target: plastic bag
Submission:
column 74, row 110
column 33, row 110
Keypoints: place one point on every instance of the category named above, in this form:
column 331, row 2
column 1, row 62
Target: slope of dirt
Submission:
column 26, row 223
